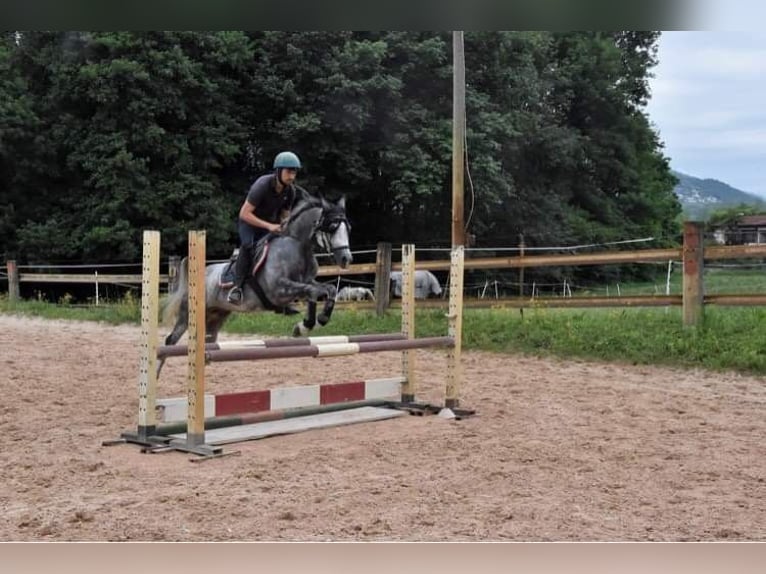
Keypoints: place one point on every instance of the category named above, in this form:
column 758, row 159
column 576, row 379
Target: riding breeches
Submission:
column 248, row 237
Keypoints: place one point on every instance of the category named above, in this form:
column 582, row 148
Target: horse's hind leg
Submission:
column 182, row 323
column 213, row 323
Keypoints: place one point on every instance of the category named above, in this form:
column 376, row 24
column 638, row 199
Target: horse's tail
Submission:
column 173, row 302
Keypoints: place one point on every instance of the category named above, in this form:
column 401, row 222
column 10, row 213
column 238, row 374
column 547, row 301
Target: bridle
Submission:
column 327, row 226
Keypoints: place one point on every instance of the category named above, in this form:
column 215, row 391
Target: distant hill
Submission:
column 699, row 197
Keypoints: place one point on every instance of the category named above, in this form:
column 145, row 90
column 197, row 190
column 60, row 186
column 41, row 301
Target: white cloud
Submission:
column 713, row 119
column 739, row 64
column 729, row 15
column 665, row 87
column 743, row 142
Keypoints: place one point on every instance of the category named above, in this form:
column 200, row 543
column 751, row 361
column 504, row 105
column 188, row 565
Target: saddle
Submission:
column 261, row 250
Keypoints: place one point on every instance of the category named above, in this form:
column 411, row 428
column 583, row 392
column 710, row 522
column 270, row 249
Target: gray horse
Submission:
column 287, row 274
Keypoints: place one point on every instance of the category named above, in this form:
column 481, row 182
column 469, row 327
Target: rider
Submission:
column 266, row 206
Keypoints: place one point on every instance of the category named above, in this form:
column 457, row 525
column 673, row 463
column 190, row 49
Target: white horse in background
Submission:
column 355, row 294
column 426, row 284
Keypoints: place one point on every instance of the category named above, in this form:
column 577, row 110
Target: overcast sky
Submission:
column 708, row 104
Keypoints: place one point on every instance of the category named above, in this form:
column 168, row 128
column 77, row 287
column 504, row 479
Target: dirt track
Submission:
column 561, row 450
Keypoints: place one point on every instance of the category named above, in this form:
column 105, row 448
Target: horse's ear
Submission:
column 342, row 202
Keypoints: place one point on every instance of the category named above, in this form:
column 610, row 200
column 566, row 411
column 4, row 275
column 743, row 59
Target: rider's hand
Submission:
column 275, row 228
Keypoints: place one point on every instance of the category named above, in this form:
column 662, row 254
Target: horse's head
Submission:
column 323, row 221
column 333, row 231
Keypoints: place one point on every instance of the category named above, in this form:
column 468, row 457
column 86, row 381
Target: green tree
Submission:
column 116, row 132
column 368, row 113
column 140, row 129
column 18, row 124
column 622, row 185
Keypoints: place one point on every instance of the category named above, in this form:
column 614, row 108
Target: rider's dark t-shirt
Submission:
column 268, row 203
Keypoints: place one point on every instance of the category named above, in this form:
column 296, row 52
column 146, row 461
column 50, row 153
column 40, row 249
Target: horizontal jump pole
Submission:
column 181, row 350
column 224, row 421
column 389, row 388
column 326, row 350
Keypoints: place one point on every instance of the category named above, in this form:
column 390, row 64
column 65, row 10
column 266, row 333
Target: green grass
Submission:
column 115, row 313
column 729, row 281
column 731, row 338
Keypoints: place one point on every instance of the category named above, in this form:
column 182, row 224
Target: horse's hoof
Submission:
column 323, row 319
column 300, row 330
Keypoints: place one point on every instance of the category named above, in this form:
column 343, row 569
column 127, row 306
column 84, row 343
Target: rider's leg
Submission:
column 243, row 266
column 242, row 269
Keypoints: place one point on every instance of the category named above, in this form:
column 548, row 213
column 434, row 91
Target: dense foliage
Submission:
column 105, row 134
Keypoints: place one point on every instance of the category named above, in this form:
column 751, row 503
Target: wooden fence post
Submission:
column 383, row 278
column 694, row 264
column 522, row 245
column 14, row 293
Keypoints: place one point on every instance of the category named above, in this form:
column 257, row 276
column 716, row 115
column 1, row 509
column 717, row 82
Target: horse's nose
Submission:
column 346, row 260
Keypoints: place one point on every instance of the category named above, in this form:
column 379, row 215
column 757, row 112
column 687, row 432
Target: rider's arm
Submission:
column 247, row 214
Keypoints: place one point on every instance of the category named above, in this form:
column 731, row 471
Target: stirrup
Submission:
column 235, row 296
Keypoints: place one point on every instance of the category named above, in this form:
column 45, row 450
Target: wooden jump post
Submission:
column 146, row 432
column 147, row 371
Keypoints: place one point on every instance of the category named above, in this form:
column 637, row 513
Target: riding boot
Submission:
column 241, row 271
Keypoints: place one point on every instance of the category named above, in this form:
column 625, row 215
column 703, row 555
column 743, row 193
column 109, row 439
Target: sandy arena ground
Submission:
column 560, row 450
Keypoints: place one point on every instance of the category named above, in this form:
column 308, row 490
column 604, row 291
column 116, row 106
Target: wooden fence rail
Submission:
column 112, row 278
column 692, row 253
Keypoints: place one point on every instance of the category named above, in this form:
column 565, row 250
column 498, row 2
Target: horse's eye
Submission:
column 333, row 227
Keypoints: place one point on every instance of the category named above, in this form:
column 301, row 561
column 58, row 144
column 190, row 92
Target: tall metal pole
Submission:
column 458, row 139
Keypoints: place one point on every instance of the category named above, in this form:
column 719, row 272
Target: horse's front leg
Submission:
column 303, row 328
column 287, row 289
column 329, row 305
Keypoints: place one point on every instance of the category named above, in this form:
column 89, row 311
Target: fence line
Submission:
column 383, row 267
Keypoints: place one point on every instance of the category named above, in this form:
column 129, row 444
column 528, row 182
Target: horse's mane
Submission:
column 303, row 202
column 301, row 194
